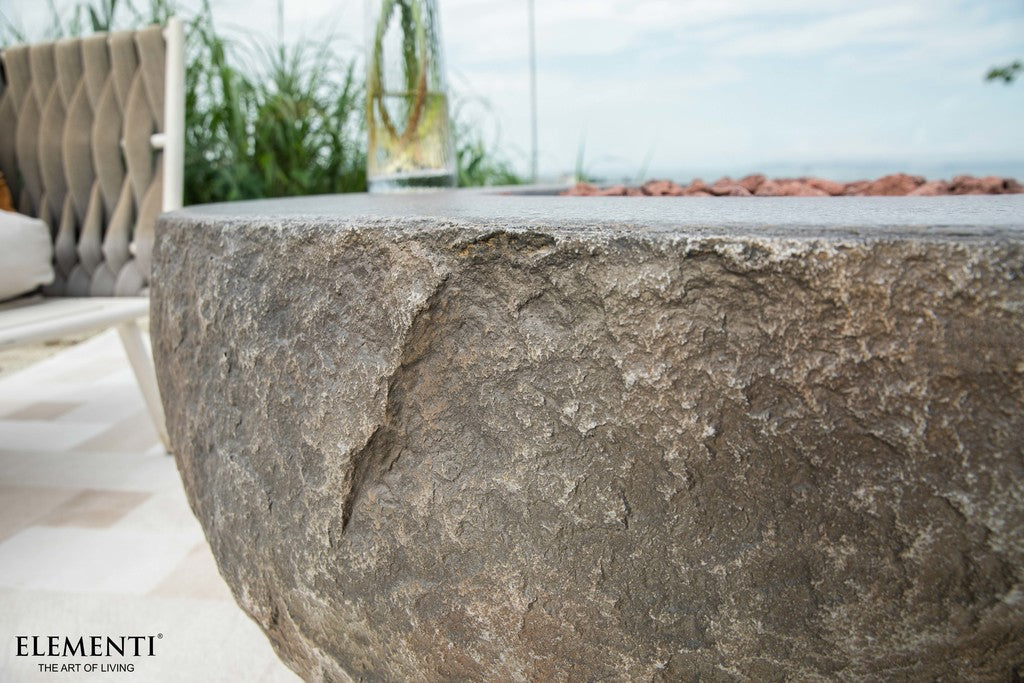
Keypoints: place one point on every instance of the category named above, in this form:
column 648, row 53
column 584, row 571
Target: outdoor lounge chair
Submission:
column 92, row 143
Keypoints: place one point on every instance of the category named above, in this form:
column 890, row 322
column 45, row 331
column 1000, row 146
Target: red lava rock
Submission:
column 738, row 191
column 856, row 188
column 727, row 187
column 581, row 190
column 992, row 184
column 722, row 185
column 752, row 182
column 662, row 188
column 894, row 185
column 829, row 187
column 968, row 184
column 697, row 188
column 964, row 184
column 796, row 188
column 932, row 188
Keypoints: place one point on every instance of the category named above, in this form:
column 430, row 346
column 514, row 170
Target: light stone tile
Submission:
column 15, row 471
column 108, row 404
column 95, row 509
column 98, row 370
column 35, row 436
column 132, row 434
column 165, row 511
column 97, row 360
column 40, row 390
column 203, row 640
column 196, row 577
column 90, row 561
column 8, row 404
column 113, row 471
column 20, row 507
column 42, row 410
column 278, row 672
column 72, row 580
column 17, row 358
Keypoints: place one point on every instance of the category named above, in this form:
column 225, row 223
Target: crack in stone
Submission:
column 501, row 241
column 369, row 462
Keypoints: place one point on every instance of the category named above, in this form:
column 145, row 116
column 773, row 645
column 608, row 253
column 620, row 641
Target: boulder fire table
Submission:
column 480, row 437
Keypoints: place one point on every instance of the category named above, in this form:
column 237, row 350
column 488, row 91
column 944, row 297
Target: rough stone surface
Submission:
column 464, row 437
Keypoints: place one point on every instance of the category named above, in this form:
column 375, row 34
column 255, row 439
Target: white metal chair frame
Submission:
column 41, row 319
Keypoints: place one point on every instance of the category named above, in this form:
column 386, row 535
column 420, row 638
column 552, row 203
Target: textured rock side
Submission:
column 462, row 454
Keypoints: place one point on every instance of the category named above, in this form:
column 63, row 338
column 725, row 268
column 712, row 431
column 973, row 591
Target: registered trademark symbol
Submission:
column 159, row 635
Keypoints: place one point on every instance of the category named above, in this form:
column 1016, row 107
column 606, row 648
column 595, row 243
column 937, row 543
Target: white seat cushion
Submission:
column 26, row 254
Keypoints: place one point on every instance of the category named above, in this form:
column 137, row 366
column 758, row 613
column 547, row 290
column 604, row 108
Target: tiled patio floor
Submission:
column 96, row 536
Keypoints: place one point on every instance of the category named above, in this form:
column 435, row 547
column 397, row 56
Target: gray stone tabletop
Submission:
column 474, row 437
column 967, row 217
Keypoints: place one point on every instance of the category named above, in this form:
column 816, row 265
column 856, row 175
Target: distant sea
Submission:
column 833, row 170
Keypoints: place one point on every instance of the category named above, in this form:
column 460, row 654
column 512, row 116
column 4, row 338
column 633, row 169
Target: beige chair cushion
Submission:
column 26, row 254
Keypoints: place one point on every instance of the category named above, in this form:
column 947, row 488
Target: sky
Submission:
column 684, row 88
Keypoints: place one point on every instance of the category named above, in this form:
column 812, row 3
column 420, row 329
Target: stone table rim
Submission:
column 965, row 218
